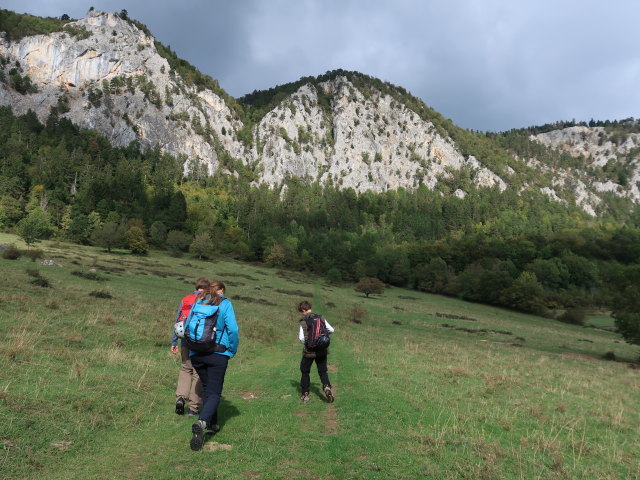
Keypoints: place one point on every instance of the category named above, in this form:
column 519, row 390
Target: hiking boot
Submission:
column 213, row 429
column 180, row 406
column 197, row 441
column 305, row 397
column 328, row 393
column 193, row 413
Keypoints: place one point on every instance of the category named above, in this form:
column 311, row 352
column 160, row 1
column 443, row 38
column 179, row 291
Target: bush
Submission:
column 100, row 294
column 41, row 282
column 89, row 276
column 356, row 314
column 34, row 254
column 574, row 316
column 136, row 241
column 11, row 252
column 177, row 242
column 32, row 272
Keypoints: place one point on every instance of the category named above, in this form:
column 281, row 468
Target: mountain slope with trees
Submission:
column 341, row 174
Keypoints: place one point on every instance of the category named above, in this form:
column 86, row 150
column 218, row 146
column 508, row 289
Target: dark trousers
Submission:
column 211, row 368
column 305, row 368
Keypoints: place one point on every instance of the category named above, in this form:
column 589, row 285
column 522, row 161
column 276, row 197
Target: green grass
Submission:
column 426, row 386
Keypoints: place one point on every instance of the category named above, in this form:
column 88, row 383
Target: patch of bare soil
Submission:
column 215, row 446
column 251, row 475
column 250, row 396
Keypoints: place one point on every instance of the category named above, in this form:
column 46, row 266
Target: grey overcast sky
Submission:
column 485, row 64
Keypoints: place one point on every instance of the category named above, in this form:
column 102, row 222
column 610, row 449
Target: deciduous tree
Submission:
column 369, row 285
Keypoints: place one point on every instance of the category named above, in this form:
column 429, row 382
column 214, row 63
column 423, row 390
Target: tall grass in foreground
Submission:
column 426, row 386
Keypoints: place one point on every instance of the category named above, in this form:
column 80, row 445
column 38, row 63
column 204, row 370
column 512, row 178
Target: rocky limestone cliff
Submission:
column 368, row 144
column 105, row 73
column 116, row 82
column 600, row 149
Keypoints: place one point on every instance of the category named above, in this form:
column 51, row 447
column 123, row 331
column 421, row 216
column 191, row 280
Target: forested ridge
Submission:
column 515, row 248
column 522, row 252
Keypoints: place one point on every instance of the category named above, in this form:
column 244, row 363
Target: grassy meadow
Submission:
column 426, row 386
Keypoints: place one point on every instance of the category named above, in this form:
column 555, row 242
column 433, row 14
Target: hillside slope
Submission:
column 425, row 385
column 343, row 128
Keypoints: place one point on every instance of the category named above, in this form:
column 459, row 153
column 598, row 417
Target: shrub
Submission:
column 100, row 294
column 356, row 314
column 177, row 242
column 32, row 272
column 136, row 241
column 610, row 356
column 11, row 253
column 89, row 276
column 34, row 254
column 202, row 246
column 574, row 316
column 41, row 282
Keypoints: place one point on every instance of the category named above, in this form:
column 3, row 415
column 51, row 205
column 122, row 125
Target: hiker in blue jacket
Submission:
column 211, row 367
column 189, row 388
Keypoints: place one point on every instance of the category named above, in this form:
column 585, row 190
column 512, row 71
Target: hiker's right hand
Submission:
column 174, row 349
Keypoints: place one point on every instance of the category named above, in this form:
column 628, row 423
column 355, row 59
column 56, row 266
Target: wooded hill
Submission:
column 515, row 246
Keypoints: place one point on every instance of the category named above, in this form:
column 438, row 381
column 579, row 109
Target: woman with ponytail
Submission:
column 211, row 367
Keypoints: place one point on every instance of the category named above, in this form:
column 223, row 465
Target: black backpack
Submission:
column 317, row 333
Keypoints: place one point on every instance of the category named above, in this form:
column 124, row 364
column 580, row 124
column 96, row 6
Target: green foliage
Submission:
column 34, row 254
column 192, row 76
column 136, row 241
column 369, row 285
column 21, row 84
column 525, row 294
column 109, row 235
column 18, row 26
column 158, row 234
column 34, row 227
column 202, row 246
column 78, row 32
column 626, row 311
column 574, row 316
column 11, row 252
column 178, row 242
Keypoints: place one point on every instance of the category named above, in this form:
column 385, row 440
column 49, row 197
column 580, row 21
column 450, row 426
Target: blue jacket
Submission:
column 227, row 328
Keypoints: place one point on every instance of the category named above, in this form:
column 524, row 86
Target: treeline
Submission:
column 17, row 26
column 80, row 182
column 520, row 251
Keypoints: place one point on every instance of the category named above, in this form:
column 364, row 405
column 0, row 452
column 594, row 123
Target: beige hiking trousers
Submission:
column 189, row 386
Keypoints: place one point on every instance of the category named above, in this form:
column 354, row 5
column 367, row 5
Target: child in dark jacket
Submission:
column 311, row 355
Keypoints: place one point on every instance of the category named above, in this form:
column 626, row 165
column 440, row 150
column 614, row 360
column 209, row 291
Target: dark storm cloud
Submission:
column 486, row 64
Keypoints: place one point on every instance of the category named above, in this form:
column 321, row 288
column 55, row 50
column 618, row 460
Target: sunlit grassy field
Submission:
column 426, row 386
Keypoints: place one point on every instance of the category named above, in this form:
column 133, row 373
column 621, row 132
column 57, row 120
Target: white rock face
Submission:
column 117, row 83
column 361, row 142
column 64, row 66
column 599, row 148
column 368, row 144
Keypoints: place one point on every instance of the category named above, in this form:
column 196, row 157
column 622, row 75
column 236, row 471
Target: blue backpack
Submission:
column 200, row 329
